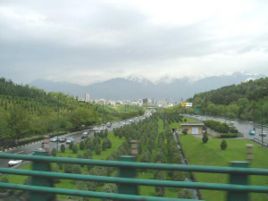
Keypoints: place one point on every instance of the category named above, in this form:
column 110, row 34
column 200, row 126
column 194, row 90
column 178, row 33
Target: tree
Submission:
column 88, row 154
column 82, row 145
column 223, row 145
column 98, row 149
column 109, row 188
column 106, row 144
column 160, row 191
column 19, row 122
column 185, row 193
column 145, row 157
column 71, row 145
column 5, row 131
column 54, row 152
column 74, row 149
column 76, row 169
column 62, row 148
column 68, row 168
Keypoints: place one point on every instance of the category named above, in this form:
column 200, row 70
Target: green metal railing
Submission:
column 41, row 186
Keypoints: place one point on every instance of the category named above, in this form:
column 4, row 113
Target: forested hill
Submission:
column 7, row 87
column 27, row 112
column 248, row 101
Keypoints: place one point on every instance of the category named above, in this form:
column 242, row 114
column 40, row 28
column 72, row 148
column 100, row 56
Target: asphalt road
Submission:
column 242, row 126
column 30, row 148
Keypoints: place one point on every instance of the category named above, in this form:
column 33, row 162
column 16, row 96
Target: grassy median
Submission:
column 210, row 154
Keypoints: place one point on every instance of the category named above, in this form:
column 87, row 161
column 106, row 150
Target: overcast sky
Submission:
column 84, row 41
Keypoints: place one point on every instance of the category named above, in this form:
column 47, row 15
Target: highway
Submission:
column 30, row 148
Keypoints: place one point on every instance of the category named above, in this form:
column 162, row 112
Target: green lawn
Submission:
column 210, row 154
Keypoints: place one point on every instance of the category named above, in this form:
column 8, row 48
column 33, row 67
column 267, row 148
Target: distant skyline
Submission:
column 89, row 41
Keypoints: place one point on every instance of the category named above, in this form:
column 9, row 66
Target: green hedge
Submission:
column 229, row 135
column 220, row 127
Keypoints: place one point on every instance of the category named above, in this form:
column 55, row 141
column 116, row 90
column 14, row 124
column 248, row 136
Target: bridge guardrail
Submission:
column 238, row 188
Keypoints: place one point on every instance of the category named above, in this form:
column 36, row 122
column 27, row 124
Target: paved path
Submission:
column 195, row 193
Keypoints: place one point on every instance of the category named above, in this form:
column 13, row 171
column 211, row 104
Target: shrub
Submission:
column 3, row 179
column 185, row 131
column 223, row 145
column 220, row 127
column 68, row 168
column 228, row 135
column 205, row 138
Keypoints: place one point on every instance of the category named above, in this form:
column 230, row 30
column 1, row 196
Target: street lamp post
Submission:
column 58, row 119
column 262, row 134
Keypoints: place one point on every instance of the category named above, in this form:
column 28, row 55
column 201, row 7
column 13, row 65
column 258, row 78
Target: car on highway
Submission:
column 97, row 130
column 70, row 140
column 109, row 125
column 54, row 139
column 12, row 163
column 62, row 139
column 84, row 135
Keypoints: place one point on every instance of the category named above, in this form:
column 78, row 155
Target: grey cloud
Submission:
column 27, row 54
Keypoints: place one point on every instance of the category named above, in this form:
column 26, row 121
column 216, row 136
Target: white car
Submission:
column 70, row 140
column 54, row 139
column 84, row 135
column 12, row 163
column 109, row 124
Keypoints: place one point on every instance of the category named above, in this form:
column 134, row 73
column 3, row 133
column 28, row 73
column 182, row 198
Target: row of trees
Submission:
column 156, row 144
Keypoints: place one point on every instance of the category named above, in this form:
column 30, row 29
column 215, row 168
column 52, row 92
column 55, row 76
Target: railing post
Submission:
column 237, row 178
column 127, row 172
column 41, row 181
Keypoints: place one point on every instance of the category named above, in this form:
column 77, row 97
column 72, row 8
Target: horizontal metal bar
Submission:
column 138, row 165
column 83, row 193
column 146, row 182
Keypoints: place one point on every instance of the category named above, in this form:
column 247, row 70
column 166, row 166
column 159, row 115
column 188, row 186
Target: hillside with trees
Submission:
column 27, row 112
column 246, row 101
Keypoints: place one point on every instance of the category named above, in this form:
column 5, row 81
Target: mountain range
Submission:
column 136, row 88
